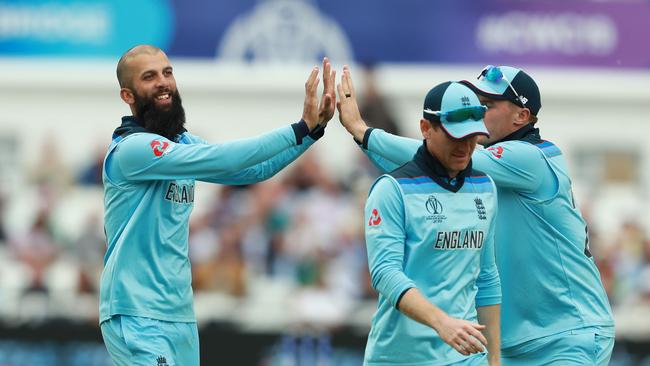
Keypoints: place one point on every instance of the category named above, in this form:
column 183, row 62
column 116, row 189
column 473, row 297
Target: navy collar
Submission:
column 434, row 169
column 527, row 133
column 131, row 125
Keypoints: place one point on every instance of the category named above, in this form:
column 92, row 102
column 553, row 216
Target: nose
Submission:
column 162, row 82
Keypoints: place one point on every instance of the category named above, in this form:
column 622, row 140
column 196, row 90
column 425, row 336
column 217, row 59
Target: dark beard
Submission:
column 164, row 122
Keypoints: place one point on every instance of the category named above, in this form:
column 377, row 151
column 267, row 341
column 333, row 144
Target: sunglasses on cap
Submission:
column 461, row 114
column 495, row 75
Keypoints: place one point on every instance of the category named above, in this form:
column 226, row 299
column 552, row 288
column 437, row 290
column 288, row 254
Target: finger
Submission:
column 311, row 79
column 474, row 345
column 327, row 67
column 326, row 105
column 313, row 90
column 332, row 82
column 474, row 332
column 345, row 80
column 351, row 86
column 339, row 88
column 348, row 83
column 461, row 349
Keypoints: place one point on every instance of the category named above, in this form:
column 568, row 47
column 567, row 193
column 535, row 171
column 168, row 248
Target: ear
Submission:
column 127, row 96
column 522, row 117
column 426, row 128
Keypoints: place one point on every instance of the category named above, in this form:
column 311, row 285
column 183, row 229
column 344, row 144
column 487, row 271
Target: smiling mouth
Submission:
column 165, row 96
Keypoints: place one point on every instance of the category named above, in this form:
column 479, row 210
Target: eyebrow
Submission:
column 166, row 68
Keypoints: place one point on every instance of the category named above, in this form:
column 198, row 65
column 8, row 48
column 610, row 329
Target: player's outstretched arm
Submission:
column 387, row 151
column 243, row 161
column 270, row 167
column 464, row 336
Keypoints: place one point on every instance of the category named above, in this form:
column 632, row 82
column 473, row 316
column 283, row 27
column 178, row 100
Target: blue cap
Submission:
column 501, row 83
column 455, row 97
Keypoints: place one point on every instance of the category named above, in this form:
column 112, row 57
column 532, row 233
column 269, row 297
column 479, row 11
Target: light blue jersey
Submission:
column 423, row 231
column 549, row 280
column 148, row 197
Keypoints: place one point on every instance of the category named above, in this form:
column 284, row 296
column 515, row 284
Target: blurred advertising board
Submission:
column 567, row 33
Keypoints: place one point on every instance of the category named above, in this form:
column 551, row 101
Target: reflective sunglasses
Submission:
column 461, row 114
column 495, row 75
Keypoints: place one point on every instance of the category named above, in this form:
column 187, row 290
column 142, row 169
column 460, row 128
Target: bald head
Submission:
column 124, row 72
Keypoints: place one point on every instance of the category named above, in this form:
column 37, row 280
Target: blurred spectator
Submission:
column 644, row 277
column 628, row 263
column 50, row 173
column 36, row 250
column 91, row 174
column 89, row 250
column 3, row 233
column 374, row 108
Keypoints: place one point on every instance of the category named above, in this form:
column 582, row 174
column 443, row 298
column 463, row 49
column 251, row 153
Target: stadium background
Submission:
column 280, row 271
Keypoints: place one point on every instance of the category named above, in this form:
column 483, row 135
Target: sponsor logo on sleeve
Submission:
column 497, row 151
column 375, row 219
column 160, row 147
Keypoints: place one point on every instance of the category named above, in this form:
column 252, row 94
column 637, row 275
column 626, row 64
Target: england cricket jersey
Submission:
column 427, row 231
column 148, row 197
column 549, row 280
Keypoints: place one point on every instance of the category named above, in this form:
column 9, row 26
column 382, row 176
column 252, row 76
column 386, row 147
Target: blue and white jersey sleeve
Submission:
column 513, row 164
column 385, row 239
column 145, row 156
column 488, row 281
column 516, row 165
column 258, row 172
column 387, row 151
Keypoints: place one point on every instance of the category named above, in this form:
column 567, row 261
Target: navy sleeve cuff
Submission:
column 400, row 298
column 317, row 132
column 300, row 129
column 366, row 137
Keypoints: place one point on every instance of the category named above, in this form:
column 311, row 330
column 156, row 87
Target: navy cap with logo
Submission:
column 508, row 83
column 458, row 109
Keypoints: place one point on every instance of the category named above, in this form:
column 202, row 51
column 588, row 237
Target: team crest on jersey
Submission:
column 159, row 147
column 434, row 207
column 161, row 361
column 375, row 219
column 497, row 151
column 480, row 209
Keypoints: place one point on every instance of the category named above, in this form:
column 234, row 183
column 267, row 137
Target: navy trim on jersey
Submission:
column 528, row 133
column 425, row 167
column 549, row 149
column 131, row 125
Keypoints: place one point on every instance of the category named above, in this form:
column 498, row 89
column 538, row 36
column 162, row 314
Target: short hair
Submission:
column 123, row 71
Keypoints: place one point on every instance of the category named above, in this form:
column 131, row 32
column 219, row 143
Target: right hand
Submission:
column 464, row 336
column 314, row 114
column 349, row 114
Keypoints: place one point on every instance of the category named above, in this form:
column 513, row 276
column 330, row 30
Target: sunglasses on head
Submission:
column 495, row 75
column 461, row 114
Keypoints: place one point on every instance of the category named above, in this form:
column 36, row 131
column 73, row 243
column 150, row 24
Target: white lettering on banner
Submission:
column 569, row 34
column 86, row 24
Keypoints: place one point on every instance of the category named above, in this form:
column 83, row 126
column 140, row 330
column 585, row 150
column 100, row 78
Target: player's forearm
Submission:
column 414, row 305
column 262, row 171
column 490, row 317
column 394, row 148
